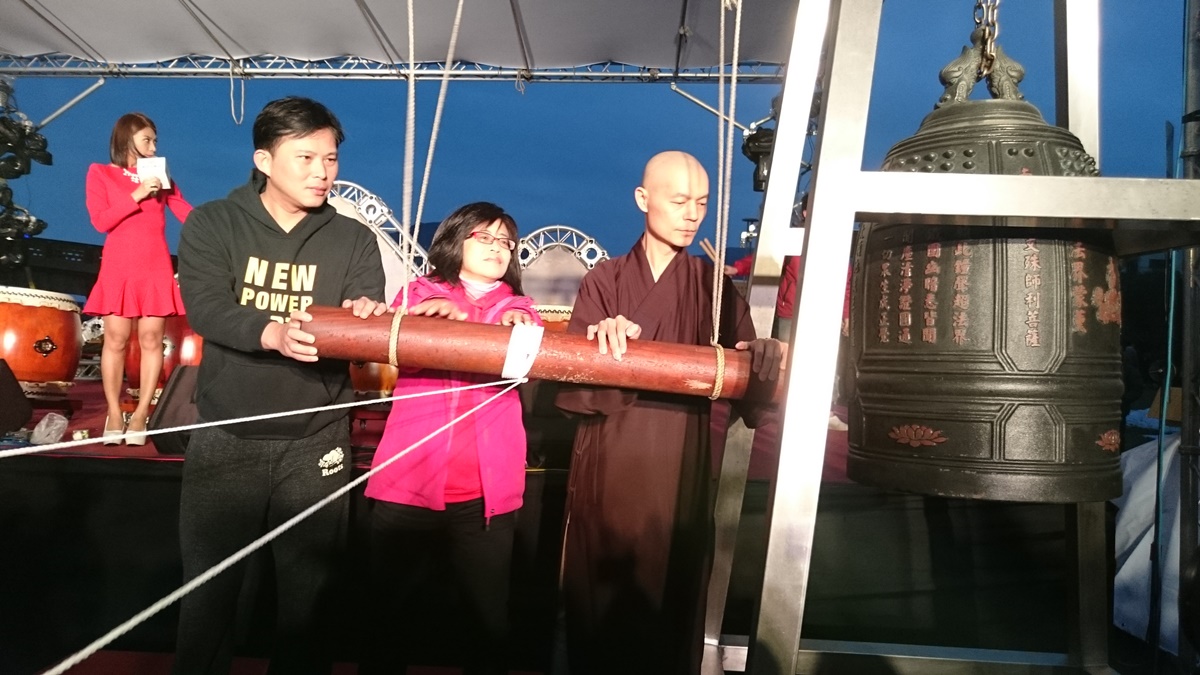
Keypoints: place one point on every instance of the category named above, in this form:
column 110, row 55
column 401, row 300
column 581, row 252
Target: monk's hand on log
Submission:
column 365, row 307
column 438, row 307
column 766, row 357
column 613, row 333
column 290, row 339
column 515, row 316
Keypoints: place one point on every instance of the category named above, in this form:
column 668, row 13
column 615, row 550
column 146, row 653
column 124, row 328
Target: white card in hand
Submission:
column 154, row 167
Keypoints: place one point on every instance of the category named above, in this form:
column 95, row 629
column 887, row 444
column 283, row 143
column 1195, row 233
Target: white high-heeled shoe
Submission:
column 111, row 436
column 136, row 437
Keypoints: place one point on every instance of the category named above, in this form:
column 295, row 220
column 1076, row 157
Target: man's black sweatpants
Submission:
column 235, row 490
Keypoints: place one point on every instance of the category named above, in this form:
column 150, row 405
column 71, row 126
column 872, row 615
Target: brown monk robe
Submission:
column 637, row 549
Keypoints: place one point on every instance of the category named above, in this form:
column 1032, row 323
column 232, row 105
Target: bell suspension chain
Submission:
column 986, row 17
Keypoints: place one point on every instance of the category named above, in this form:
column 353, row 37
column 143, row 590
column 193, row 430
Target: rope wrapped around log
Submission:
column 464, row 346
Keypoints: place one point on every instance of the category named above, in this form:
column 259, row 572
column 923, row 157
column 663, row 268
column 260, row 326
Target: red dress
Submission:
column 136, row 278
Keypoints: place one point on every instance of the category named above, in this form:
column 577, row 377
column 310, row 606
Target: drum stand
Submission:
column 59, row 402
column 843, row 193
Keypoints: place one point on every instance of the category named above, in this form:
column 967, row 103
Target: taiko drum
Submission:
column 41, row 336
column 554, row 317
column 373, row 380
column 182, row 346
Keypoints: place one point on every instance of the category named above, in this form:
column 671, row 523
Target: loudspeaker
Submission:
column 176, row 407
column 15, row 409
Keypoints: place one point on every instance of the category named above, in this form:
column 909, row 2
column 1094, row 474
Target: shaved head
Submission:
column 674, row 197
column 665, row 164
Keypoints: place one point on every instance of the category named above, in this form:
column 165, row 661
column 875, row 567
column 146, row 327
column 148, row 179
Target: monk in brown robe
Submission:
column 639, row 521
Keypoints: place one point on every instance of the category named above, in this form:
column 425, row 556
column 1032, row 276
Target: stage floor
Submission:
column 91, row 538
column 85, row 408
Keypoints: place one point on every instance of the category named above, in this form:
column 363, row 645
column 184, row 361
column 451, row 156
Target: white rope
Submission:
column 718, row 278
column 253, row 546
column 410, row 137
column 410, row 134
column 437, row 120
column 724, row 160
column 723, row 235
column 4, row 454
column 238, row 117
column 394, row 336
column 199, row 16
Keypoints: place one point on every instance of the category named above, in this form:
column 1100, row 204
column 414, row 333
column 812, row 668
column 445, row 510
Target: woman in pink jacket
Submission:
column 455, row 495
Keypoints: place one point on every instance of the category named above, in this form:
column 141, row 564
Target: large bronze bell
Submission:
column 987, row 360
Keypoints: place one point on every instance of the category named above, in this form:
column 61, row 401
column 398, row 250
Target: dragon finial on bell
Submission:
column 1003, row 73
column 1004, row 77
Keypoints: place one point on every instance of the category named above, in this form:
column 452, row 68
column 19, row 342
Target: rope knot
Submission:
column 719, row 381
column 394, row 336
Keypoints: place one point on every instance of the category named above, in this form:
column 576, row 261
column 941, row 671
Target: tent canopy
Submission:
column 49, row 37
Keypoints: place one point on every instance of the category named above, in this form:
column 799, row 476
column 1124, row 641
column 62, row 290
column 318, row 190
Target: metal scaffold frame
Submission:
column 1144, row 214
column 358, row 68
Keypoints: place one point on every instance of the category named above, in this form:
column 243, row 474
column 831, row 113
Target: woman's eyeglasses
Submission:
column 487, row 239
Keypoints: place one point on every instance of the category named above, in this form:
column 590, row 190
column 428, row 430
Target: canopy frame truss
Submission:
column 358, row 68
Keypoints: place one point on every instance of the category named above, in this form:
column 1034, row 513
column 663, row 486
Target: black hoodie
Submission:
column 239, row 270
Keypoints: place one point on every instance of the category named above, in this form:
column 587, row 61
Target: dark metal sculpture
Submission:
column 987, row 360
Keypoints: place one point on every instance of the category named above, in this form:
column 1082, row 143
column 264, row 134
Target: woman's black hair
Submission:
column 445, row 254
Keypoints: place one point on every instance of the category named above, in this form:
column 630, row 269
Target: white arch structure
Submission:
column 376, row 215
column 582, row 246
column 380, row 218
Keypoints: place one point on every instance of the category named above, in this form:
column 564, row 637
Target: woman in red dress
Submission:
column 136, row 285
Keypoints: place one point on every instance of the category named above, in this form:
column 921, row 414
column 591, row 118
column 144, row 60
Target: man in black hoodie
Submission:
column 249, row 267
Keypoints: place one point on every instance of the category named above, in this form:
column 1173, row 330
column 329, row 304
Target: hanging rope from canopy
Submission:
column 413, row 224
column 724, row 178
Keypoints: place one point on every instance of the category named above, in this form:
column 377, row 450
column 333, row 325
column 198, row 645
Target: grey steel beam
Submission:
column 1189, row 436
column 1146, row 214
column 1033, row 201
column 727, row 515
column 522, row 35
column 1077, row 70
column 850, row 62
column 1087, row 559
column 869, row 658
column 776, row 236
column 1189, row 439
column 786, row 159
column 1077, row 109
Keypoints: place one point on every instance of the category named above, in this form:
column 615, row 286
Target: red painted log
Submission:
column 481, row 348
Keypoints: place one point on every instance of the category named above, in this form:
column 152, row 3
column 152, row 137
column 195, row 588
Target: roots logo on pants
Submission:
column 332, row 462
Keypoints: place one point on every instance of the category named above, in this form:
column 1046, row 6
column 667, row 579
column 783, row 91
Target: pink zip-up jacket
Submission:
column 419, row 478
